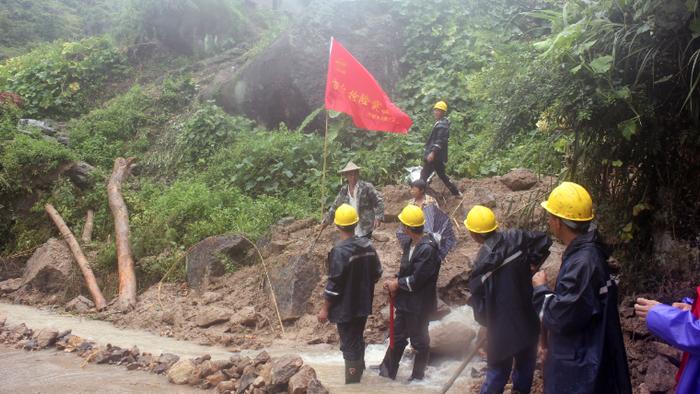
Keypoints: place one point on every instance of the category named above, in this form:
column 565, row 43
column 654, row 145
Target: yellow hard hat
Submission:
column 570, row 201
column 480, row 220
column 441, row 105
column 412, row 216
column 345, row 216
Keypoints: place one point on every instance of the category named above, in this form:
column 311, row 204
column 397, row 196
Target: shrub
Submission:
column 62, row 79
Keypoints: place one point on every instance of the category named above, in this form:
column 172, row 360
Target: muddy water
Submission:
column 325, row 359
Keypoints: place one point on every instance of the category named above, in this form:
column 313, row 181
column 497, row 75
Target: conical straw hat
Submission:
column 349, row 167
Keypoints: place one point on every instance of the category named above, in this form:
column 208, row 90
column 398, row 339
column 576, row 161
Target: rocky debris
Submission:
column 212, row 316
column 315, row 387
column 299, row 382
column 80, row 173
column 226, row 386
column 80, row 304
column 455, row 289
column 262, row 358
column 451, row 339
column 247, row 378
column 246, row 316
column 205, row 260
column 666, row 350
column 211, row 297
column 183, row 372
column 11, row 335
column 46, row 338
column 519, row 179
column 50, row 267
column 660, row 375
column 164, row 362
column 485, row 198
column 294, row 282
column 284, row 368
column 11, row 285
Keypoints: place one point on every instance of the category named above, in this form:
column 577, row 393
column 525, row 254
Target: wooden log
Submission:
column 97, row 296
column 125, row 260
column 89, row 224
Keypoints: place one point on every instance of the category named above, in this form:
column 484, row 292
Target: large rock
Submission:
column 315, row 387
column 206, row 259
column 46, row 337
column 80, row 304
column 660, row 375
column 519, row 179
column 182, row 372
column 451, row 339
column 299, row 383
column 293, row 282
column 212, row 316
column 286, row 82
column 245, row 316
column 50, row 267
column 284, row 368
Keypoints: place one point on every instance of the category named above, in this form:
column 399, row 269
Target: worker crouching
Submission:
column 353, row 270
column 415, row 294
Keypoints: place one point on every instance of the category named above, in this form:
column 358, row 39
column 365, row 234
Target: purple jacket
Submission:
column 682, row 331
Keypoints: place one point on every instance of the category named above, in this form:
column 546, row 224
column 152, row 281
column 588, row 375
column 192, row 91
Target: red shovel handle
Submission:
column 391, row 322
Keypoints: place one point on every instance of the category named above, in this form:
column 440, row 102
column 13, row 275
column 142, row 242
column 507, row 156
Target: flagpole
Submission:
column 323, row 173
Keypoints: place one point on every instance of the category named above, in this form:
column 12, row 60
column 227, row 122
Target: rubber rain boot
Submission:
column 419, row 363
column 353, row 371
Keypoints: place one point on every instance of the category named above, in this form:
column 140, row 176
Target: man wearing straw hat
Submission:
column 502, row 298
column 363, row 197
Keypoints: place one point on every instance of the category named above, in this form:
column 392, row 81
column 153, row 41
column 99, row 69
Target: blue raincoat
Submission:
column 682, row 330
column 586, row 351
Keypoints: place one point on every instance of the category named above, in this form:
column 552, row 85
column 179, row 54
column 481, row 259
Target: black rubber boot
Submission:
column 353, row 371
column 419, row 364
column 390, row 364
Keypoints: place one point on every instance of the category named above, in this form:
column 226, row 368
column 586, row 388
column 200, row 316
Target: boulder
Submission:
column 211, row 316
column 182, row 372
column 286, row 82
column 205, row 260
column 226, row 386
column 50, row 267
column 315, row 387
column 46, row 337
column 247, row 378
column 519, row 179
column 451, row 339
column 245, row 316
column 262, row 358
column 80, row 304
column 485, row 198
column 294, row 281
column 660, row 375
column 284, row 368
column 79, row 172
column 10, row 285
column 213, row 380
column 164, row 362
column 299, row 383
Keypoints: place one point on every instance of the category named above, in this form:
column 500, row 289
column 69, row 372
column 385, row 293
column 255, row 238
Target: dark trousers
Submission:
column 352, row 340
column 413, row 327
column 439, row 167
column 497, row 374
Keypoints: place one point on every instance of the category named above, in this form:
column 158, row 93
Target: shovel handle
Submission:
column 479, row 343
column 391, row 321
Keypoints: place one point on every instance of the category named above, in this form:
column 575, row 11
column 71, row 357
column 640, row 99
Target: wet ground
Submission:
column 51, row 371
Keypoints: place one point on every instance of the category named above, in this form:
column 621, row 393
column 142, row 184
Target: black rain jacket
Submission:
column 353, row 270
column 586, row 350
column 502, row 300
column 438, row 140
column 418, row 278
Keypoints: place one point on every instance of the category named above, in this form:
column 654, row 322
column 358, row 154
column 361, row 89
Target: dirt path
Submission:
column 54, row 372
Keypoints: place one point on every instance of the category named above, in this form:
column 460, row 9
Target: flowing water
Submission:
column 325, row 359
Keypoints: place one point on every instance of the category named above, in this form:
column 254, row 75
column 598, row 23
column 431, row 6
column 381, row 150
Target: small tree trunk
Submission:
column 97, row 296
column 125, row 261
column 89, row 224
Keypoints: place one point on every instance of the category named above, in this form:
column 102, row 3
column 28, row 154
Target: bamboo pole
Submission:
column 89, row 225
column 323, row 173
column 84, row 265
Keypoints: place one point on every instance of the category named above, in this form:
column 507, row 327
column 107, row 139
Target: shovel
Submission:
column 466, row 361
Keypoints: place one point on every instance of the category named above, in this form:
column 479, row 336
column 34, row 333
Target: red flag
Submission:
column 351, row 89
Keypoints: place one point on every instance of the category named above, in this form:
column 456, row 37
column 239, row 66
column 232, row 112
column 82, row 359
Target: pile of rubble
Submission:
column 262, row 374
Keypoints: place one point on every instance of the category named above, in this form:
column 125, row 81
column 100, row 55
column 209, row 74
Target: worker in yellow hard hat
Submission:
column 586, row 351
column 435, row 151
column 353, row 270
column 414, row 291
column 362, row 196
column 501, row 298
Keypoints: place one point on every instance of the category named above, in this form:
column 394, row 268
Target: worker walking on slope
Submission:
column 363, row 197
column 415, row 293
column 586, row 353
column 435, row 151
column 353, row 270
column 501, row 288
